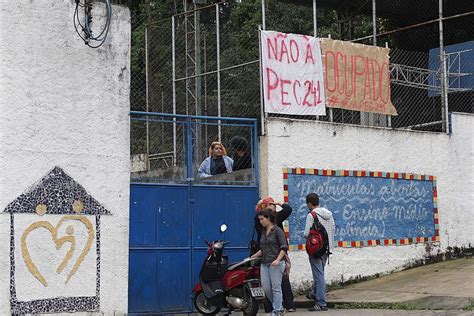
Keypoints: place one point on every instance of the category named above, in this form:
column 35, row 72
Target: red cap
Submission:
column 264, row 203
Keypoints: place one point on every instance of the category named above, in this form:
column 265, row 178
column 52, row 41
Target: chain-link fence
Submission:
column 204, row 60
column 181, row 148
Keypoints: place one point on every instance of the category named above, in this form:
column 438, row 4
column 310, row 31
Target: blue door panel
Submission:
column 168, row 225
column 198, row 259
column 142, row 286
column 208, row 214
column 240, row 212
column 172, row 207
column 143, row 216
column 174, row 281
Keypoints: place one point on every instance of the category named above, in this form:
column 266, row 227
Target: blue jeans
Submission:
column 271, row 282
column 317, row 268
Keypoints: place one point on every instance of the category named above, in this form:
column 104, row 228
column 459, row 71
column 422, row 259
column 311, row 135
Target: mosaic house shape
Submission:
column 56, row 217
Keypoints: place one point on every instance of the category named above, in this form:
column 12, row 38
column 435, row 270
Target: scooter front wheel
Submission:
column 203, row 305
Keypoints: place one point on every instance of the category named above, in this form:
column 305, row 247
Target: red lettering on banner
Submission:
column 334, row 69
column 274, row 48
column 310, row 89
column 367, row 83
column 309, row 54
column 284, row 51
column 294, row 51
column 340, row 88
column 270, row 86
column 297, row 99
column 356, row 73
column 344, row 71
column 283, row 92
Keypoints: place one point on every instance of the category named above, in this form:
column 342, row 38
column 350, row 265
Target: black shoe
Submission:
column 317, row 308
column 310, row 296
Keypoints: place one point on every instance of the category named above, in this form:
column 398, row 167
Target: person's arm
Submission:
column 258, row 254
column 278, row 259
column 309, row 223
column 229, row 164
column 258, row 227
column 284, row 213
column 280, row 235
column 202, row 169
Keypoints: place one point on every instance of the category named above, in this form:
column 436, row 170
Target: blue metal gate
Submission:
column 168, row 225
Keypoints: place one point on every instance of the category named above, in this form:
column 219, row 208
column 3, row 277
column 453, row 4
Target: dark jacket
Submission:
column 281, row 216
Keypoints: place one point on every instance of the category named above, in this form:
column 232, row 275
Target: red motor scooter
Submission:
column 235, row 286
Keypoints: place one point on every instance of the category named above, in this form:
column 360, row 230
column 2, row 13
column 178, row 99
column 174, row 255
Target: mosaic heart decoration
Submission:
column 59, row 242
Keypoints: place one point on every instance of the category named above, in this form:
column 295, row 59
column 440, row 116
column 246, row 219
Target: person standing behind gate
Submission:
column 317, row 264
column 218, row 162
column 242, row 158
column 280, row 217
column 273, row 247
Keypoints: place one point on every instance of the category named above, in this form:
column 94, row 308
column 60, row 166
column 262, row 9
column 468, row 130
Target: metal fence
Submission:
column 174, row 148
column 204, row 59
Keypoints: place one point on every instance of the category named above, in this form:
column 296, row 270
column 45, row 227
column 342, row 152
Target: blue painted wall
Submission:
column 365, row 208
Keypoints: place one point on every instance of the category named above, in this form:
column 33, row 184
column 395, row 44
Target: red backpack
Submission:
column 317, row 243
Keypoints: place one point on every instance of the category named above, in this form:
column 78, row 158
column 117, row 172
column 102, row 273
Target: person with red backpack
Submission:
column 319, row 232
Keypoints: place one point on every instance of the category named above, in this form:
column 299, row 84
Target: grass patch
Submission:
column 399, row 306
column 469, row 307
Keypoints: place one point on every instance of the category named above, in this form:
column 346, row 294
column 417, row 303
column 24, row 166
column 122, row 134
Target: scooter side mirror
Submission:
column 223, row 228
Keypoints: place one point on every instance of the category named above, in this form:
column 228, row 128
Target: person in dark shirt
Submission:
column 241, row 153
column 218, row 162
column 285, row 212
column 273, row 249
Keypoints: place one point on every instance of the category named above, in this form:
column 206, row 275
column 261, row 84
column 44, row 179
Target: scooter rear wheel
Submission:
column 252, row 305
column 203, row 305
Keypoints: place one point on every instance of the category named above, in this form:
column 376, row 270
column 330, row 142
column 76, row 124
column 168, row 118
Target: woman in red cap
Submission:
column 280, row 216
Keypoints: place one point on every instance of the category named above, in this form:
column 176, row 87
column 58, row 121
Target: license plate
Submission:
column 257, row 292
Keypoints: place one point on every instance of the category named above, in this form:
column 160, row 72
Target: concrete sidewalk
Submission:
column 447, row 285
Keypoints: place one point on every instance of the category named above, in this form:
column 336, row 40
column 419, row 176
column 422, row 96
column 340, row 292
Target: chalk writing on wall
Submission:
column 369, row 208
column 292, row 74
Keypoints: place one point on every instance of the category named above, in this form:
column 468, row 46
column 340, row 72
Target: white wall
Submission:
column 311, row 144
column 65, row 104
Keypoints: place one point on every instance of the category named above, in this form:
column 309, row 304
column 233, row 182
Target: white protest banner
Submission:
column 292, row 74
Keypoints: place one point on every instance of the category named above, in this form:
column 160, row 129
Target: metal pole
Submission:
column 218, row 46
column 173, row 48
column 374, row 22
column 389, row 117
column 146, row 99
column 331, row 115
column 368, row 118
column 315, row 30
column 444, row 77
column 315, row 20
column 263, row 15
column 262, row 103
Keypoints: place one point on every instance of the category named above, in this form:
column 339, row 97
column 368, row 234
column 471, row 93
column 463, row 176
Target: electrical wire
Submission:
column 85, row 27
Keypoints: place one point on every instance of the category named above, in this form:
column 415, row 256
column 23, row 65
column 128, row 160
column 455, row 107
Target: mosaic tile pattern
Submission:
column 56, row 193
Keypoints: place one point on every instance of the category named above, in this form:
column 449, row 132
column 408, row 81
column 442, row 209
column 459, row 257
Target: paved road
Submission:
column 369, row 312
